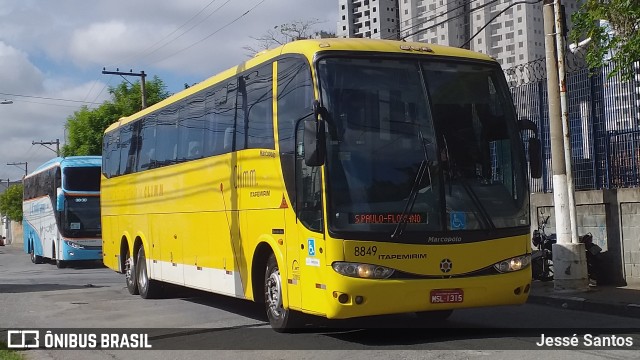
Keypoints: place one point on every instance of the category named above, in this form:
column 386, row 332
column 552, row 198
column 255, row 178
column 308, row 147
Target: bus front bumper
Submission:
column 354, row 297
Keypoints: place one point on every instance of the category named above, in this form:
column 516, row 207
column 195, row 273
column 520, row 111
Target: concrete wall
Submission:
column 613, row 218
column 15, row 237
column 630, row 223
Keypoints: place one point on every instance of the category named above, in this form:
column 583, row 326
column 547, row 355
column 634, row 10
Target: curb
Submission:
column 582, row 304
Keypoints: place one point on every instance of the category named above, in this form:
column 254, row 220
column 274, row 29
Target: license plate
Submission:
column 443, row 296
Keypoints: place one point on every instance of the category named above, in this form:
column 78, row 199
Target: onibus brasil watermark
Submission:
column 85, row 339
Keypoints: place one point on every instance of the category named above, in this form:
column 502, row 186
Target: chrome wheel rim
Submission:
column 127, row 270
column 142, row 278
column 273, row 294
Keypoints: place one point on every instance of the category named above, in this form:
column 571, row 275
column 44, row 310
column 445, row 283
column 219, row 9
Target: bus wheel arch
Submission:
column 36, row 259
column 281, row 318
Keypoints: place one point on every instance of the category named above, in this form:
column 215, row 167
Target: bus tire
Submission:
column 130, row 274
column 280, row 319
column 149, row 289
column 36, row 259
column 434, row 316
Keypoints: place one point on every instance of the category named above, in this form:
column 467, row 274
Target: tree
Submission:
column 86, row 126
column 617, row 40
column 284, row 33
column 11, row 203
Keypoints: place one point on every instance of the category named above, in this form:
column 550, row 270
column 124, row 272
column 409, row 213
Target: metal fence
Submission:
column 604, row 118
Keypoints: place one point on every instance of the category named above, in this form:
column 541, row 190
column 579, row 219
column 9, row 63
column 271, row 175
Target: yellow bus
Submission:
column 333, row 177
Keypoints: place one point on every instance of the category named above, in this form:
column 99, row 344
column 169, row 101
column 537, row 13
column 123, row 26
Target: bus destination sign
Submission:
column 387, row 218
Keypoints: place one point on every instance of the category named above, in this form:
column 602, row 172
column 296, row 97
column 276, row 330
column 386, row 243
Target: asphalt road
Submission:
column 89, row 298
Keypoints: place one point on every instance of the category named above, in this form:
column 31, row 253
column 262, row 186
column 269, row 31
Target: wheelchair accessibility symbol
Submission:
column 312, row 247
column 458, row 220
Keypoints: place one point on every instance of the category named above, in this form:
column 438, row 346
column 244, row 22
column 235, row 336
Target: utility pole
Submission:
column 18, row 165
column 142, row 76
column 45, row 143
column 569, row 258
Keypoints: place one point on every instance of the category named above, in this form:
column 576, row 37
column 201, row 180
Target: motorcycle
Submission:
column 542, row 257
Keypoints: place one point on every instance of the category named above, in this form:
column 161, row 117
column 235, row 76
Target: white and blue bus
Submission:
column 61, row 210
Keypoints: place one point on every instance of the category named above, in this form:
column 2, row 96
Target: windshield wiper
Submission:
column 415, row 188
column 484, row 214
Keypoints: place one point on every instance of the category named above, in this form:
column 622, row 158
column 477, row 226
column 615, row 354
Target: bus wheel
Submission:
column 36, row 259
column 281, row 319
column 130, row 274
column 436, row 316
column 149, row 289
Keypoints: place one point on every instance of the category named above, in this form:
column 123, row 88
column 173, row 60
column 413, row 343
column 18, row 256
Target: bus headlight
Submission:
column 73, row 245
column 366, row 271
column 513, row 264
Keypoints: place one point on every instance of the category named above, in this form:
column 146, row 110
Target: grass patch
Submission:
column 6, row 354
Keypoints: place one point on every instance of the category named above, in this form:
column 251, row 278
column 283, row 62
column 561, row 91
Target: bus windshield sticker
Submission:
column 74, row 226
column 458, row 220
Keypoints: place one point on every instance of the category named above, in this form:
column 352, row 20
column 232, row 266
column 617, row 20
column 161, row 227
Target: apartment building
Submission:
column 511, row 33
column 376, row 19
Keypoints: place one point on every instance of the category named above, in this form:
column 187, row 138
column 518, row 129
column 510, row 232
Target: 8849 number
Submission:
column 365, row 250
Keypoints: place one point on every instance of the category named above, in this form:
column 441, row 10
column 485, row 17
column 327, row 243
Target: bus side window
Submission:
column 147, row 143
column 259, row 113
column 191, row 128
column 126, row 133
column 167, row 136
column 295, row 98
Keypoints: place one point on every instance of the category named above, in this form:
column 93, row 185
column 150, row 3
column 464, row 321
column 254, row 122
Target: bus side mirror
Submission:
column 314, row 137
column 314, row 142
column 535, row 148
column 535, row 158
column 59, row 200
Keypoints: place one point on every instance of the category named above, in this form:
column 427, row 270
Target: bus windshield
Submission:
column 431, row 145
column 82, row 178
column 81, row 217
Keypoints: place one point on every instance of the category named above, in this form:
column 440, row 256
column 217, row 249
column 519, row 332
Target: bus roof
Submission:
column 70, row 161
column 309, row 48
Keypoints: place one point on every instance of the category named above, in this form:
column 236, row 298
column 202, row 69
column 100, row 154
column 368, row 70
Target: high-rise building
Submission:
column 513, row 34
column 376, row 19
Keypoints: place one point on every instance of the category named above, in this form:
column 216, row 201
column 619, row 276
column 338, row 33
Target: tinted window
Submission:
column 110, row 154
column 217, row 122
column 220, row 119
column 147, row 143
column 190, row 131
column 81, row 178
column 259, row 108
column 124, row 145
column 295, row 98
column 166, row 136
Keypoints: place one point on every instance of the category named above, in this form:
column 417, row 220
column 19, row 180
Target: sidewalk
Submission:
column 613, row 300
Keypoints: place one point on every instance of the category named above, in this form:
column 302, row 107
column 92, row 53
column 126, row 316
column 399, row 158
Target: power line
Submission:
column 448, row 19
column 189, row 29
column 435, row 16
column 496, row 16
column 210, row 35
column 45, row 98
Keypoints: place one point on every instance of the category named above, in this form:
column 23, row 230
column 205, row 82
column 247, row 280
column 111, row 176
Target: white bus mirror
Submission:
column 60, row 200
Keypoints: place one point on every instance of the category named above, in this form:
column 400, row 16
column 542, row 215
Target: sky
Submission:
column 52, row 54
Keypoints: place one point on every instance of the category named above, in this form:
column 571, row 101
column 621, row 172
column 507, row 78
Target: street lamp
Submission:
column 6, row 102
